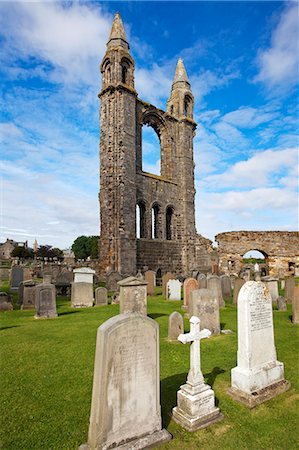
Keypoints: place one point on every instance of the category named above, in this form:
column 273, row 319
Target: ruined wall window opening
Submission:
column 151, row 150
column 140, row 221
column 155, row 221
column 124, row 73
column 187, row 106
column 171, row 109
column 169, row 223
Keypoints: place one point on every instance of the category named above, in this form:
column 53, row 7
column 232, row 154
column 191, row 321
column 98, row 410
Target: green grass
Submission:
column 47, row 371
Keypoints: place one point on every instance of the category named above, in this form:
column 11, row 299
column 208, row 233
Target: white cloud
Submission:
column 248, row 117
column 278, row 65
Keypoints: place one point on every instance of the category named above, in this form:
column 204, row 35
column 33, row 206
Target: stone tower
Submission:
column 167, row 235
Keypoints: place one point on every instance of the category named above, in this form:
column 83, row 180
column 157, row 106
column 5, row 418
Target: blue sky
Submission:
column 242, row 62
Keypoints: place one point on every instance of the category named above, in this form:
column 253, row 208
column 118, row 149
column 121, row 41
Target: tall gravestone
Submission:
column 295, row 304
column 289, row 289
column 214, row 284
column 175, row 326
column 190, row 284
column 101, row 296
column 168, row 276
column 112, row 279
column 28, row 294
column 16, row 276
column 195, row 400
column 225, row 286
column 205, row 306
column 258, row 375
column 45, row 301
column 202, row 281
column 281, row 304
column 173, row 290
column 272, row 286
column 237, row 286
column 125, row 408
column 82, row 288
column 150, row 278
column 132, row 296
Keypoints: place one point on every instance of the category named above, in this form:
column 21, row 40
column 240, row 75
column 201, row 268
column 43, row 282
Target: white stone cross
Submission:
column 195, row 375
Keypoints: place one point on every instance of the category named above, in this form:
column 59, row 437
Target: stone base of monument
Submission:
column 258, row 397
column 196, row 407
column 145, row 442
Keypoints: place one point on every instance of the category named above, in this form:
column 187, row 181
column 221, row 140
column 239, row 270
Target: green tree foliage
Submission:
column 22, row 252
column 253, row 260
column 85, row 246
column 46, row 251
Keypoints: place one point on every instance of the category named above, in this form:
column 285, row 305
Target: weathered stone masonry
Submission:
column 280, row 248
column 173, row 244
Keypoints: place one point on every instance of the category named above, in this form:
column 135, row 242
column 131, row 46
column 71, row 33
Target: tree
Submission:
column 85, row 246
column 46, row 251
column 22, row 252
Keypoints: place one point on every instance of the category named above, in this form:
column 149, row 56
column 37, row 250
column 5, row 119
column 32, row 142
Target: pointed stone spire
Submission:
column 180, row 73
column 118, row 36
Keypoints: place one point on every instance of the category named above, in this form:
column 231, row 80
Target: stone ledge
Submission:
column 192, row 424
column 145, row 442
column 256, row 398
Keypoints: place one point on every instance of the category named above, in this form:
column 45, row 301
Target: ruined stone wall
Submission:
column 280, row 248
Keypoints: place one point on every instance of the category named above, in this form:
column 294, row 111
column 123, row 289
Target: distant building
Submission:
column 7, row 247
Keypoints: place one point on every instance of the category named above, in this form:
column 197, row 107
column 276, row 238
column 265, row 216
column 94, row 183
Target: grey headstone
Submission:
column 150, row 278
column 214, row 284
column 202, row 281
column 28, row 294
column 45, row 302
column 5, row 302
column 204, row 305
column 281, row 304
column 125, row 408
column 225, row 286
column 238, row 284
column 16, row 276
column 295, row 304
column 175, row 326
column 82, row 295
column 101, row 296
column 112, row 279
column 133, row 296
column 289, row 289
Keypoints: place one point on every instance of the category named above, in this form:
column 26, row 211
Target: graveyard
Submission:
column 48, row 372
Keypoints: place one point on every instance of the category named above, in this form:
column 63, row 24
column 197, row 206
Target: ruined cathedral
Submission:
column 167, row 238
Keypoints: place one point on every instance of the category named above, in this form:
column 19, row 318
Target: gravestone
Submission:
column 225, row 286
column 295, row 304
column 190, row 284
column 112, row 279
column 28, row 294
column 175, row 326
column 202, row 281
column 258, row 375
column 289, row 289
column 132, row 296
column 205, row 306
column 125, row 407
column 45, row 301
column 272, row 285
column 47, row 278
column 232, row 281
column 150, row 278
column 16, row 277
column 82, row 295
column 195, row 400
column 281, row 304
column 4, row 273
column 5, row 302
column 168, row 276
column 101, row 297
column 282, row 284
column 173, row 290
column 81, row 275
column 238, row 284
column 214, row 284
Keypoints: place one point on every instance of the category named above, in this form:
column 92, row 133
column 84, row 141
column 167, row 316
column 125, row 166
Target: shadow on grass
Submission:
column 222, row 325
column 6, row 328
column 67, row 312
column 169, row 388
column 211, row 377
column 155, row 316
column 291, row 318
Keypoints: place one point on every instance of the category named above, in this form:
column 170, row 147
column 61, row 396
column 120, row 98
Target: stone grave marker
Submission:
column 125, row 407
column 150, row 278
column 82, row 288
column 132, row 296
column 289, row 289
column 47, row 278
column 282, row 284
column 101, row 296
column 4, row 273
column 214, row 284
column 81, row 275
column 112, row 279
column 238, row 284
column 16, row 276
column 225, row 286
column 232, row 281
column 295, row 304
column 28, row 294
column 175, row 325
column 205, row 306
column 272, row 285
column 258, row 375
column 45, row 302
column 168, row 276
column 190, row 284
column 173, row 290
column 202, row 281
column 5, row 302
column 281, row 304
column 195, row 400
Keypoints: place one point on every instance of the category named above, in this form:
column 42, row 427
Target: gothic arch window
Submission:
column 156, row 221
column 125, row 71
column 169, row 223
column 107, row 71
column 187, row 106
column 140, row 220
column 151, row 150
